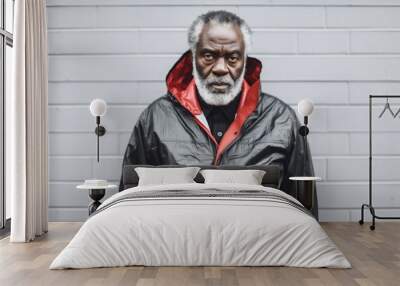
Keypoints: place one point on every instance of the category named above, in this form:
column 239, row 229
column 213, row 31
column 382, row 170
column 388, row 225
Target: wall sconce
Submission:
column 305, row 108
column 98, row 108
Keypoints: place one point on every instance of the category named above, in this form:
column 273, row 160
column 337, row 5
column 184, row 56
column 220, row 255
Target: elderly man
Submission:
column 214, row 111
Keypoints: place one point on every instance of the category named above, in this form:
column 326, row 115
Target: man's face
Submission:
column 220, row 57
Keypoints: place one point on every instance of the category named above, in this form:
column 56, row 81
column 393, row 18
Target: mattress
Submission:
column 201, row 225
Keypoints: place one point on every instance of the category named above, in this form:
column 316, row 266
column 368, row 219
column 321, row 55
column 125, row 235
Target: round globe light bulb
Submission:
column 98, row 107
column 305, row 107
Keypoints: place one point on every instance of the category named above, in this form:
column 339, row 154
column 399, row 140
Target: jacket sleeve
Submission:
column 135, row 153
column 299, row 163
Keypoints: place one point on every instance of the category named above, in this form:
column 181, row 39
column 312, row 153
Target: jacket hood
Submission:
column 181, row 85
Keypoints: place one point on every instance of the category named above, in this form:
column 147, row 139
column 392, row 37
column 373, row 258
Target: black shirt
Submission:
column 219, row 118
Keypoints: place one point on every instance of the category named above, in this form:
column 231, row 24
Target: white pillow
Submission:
column 162, row 176
column 248, row 177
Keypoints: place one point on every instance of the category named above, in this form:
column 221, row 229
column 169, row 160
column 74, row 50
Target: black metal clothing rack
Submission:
column 369, row 205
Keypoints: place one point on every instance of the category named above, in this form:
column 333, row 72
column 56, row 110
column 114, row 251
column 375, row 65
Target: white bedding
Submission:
column 181, row 231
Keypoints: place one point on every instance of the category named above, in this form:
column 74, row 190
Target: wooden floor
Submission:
column 375, row 257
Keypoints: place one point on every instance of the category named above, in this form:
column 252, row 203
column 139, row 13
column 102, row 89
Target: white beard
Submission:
column 214, row 98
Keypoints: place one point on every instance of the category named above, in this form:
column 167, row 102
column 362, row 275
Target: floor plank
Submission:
column 375, row 257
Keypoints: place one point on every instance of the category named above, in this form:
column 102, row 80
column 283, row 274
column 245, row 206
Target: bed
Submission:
column 201, row 224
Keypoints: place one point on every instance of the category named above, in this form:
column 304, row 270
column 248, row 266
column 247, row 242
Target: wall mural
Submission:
column 215, row 111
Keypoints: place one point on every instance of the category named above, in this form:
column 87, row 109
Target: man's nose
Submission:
column 220, row 67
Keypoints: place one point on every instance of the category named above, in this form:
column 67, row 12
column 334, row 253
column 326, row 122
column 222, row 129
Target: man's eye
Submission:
column 233, row 59
column 208, row 57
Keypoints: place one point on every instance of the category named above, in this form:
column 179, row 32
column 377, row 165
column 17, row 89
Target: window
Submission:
column 6, row 44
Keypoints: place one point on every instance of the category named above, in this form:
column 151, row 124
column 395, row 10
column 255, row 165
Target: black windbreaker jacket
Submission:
column 173, row 130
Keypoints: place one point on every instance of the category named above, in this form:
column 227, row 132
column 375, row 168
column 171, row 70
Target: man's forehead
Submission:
column 211, row 45
column 214, row 35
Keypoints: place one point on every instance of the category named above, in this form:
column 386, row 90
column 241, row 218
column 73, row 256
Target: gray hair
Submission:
column 221, row 17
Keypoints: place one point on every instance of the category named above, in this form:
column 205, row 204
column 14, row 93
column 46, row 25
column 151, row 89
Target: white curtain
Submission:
column 26, row 123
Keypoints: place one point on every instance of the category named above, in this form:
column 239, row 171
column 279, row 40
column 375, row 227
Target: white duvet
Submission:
column 182, row 231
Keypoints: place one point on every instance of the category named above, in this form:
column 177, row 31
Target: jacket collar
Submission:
column 181, row 85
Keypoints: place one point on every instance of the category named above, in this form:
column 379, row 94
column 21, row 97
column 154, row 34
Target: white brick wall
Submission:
column 335, row 52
